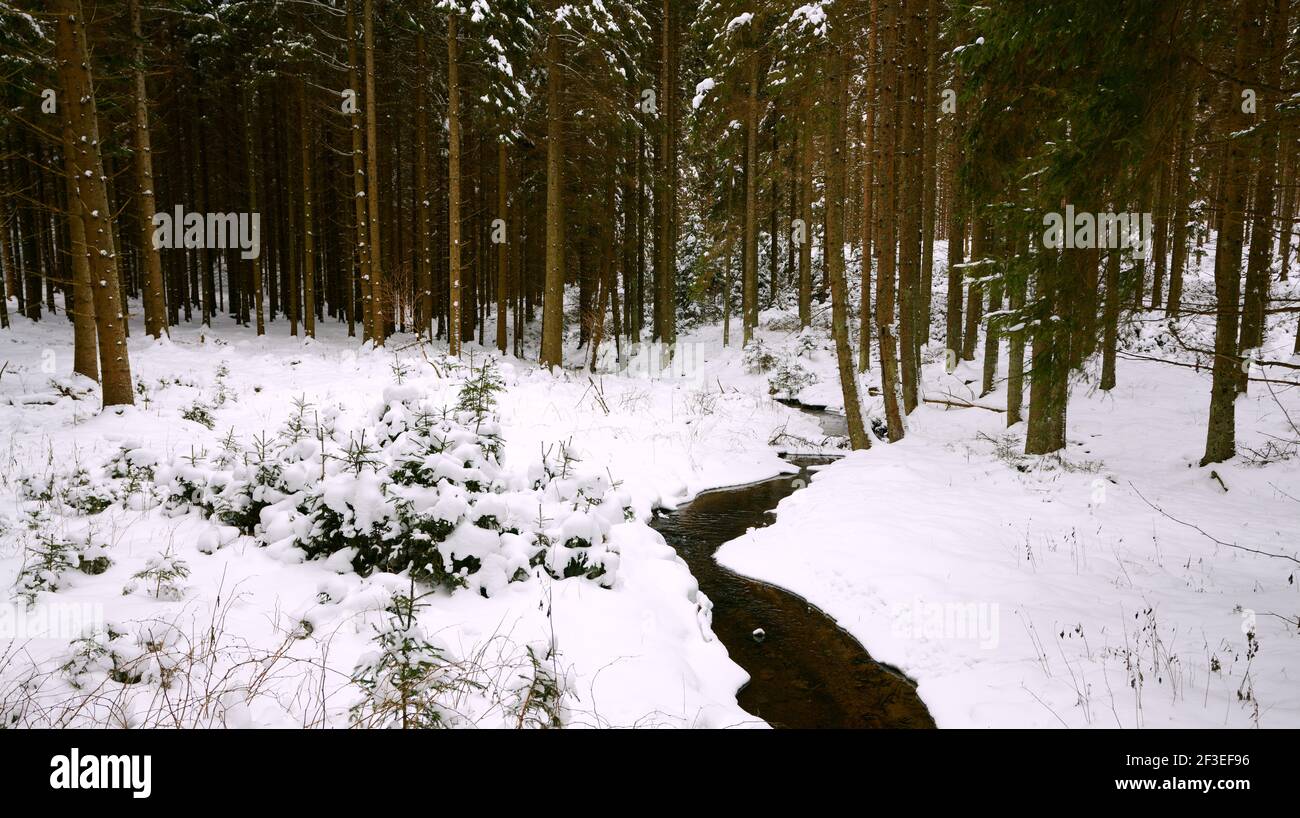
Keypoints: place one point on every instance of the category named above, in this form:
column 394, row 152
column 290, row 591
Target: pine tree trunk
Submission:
column 929, row 179
column 553, row 296
column 1160, row 228
column 361, row 247
column 85, row 352
column 909, row 251
column 308, row 234
column 1220, row 439
column 1016, row 285
column 1110, row 320
column 838, row 104
column 868, row 222
column 749, row 295
column 90, row 201
column 805, row 215
column 454, row 295
column 1259, row 260
column 378, row 291
column 1178, row 254
column 503, row 270
column 423, row 199
column 251, row 147
column 155, row 318
column 1045, row 431
column 667, row 294
column 886, row 333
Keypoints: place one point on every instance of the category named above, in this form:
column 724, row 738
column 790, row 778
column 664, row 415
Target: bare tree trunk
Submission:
column 1220, row 439
column 868, row 225
column 1110, row 320
column 886, row 334
column 1259, row 260
column 423, row 198
column 1178, row 260
column 835, row 195
column 85, row 352
column 454, row 295
column 308, row 234
column 667, row 213
column 929, row 179
column 91, row 200
column 805, row 215
column 909, row 240
column 155, row 317
column 378, row 294
column 749, row 295
column 503, row 269
column 251, row 143
column 553, row 296
column 1016, row 286
column 360, row 187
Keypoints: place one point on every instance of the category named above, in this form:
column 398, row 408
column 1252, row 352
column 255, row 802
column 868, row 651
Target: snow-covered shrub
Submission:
column 789, row 378
column 76, row 490
column 101, row 653
column 418, row 488
column 806, row 343
column 160, row 577
column 403, row 678
column 540, row 702
column 47, row 565
column 758, row 357
column 200, row 413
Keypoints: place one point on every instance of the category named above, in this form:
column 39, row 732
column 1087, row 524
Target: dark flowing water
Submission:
column 806, row 671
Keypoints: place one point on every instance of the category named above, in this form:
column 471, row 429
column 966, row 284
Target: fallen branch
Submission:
column 962, row 405
column 1209, row 536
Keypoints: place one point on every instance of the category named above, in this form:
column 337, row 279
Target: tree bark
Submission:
column 454, row 295
column 378, row 293
column 835, row 195
column 91, row 201
column 553, row 296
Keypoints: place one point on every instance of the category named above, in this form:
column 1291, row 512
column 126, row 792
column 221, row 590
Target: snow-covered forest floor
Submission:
column 1117, row 585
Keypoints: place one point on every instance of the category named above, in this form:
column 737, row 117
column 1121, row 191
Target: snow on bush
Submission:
column 418, row 488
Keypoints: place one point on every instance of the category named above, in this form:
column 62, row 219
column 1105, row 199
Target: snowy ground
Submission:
column 1075, row 591
column 640, row 653
column 1016, row 591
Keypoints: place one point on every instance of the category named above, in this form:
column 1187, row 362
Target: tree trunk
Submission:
column 85, row 352
column 553, row 296
column 378, row 292
column 423, row 199
column 308, row 235
column 251, row 143
column 1178, row 260
column 885, row 275
column 91, row 200
column 1220, row 439
column 805, row 215
column 503, row 269
column 929, row 179
column 749, row 295
column 360, row 186
column 1259, row 260
column 835, row 195
column 868, row 220
column 454, row 295
column 1110, row 320
column 155, row 317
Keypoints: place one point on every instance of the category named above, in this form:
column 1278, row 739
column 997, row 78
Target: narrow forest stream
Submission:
column 805, row 671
